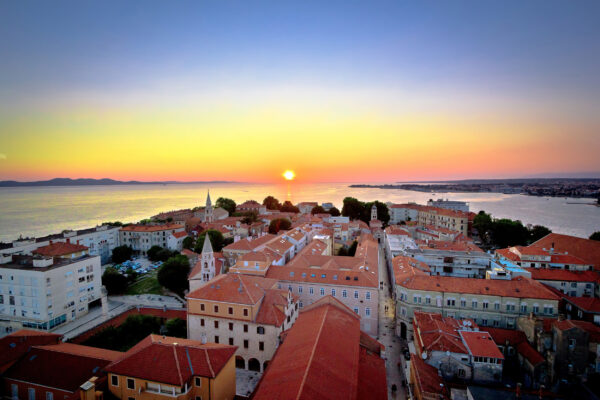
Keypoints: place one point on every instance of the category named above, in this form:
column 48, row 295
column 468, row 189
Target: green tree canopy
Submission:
column 318, row 210
column 114, row 282
column 271, row 203
column 176, row 327
column 216, row 239
column 506, row 232
column 188, row 242
column 334, row 212
column 538, row 232
column 226, row 204
column 352, row 208
column 279, row 224
column 595, row 236
column 152, row 252
column 383, row 214
column 483, row 223
column 287, row 206
column 121, row 253
column 125, row 336
column 173, row 274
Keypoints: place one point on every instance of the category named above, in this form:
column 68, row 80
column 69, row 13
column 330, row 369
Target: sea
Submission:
column 38, row 211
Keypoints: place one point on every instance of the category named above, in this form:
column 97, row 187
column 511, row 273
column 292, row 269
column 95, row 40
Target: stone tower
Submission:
column 208, row 260
column 373, row 212
column 208, row 210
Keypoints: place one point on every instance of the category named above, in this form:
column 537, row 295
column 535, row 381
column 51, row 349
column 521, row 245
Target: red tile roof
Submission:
column 172, row 360
column 179, row 234
column 587, row 304
column 586, row 249
column 519, row 287
column 57, row 369
column 433, row 332
column 548, row 274
column 249, row 245
column 150, row 228
column 481, row 344
column 301, row 368
column 234, row 288
column 396, row 230
column 427, row 379
column 59, row 249
column 566, row 324
column 448, row 245
column 86, row 351
column 530, row 354
column 503, row 336
column 272, row 308
column 14, row 345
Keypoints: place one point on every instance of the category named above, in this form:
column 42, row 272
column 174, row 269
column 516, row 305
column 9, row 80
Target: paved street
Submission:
column 387, row 335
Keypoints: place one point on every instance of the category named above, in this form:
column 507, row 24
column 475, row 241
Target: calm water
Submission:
column 43, row 210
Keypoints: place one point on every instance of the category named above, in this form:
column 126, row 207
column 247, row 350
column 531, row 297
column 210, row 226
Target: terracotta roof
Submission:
column 428, row 379
column 530, row 354
column 86, row 351
column 591, row 328
column 301, row 368
column 59, row 249
column 234, row 288
column 519, row 287
column 448, row 245
column 315, row 247
column 249, row 245
column 272, row 308
column 586, row 249
column 179, row 234
column 405, row 267
column 172, row 360
column 150, row 228
column 587, row 304
column 547, row 274
column 502, row 336
column 14, row 345
column 481, row 344
column 396, row 230
column 433, row 332
column 60, row 370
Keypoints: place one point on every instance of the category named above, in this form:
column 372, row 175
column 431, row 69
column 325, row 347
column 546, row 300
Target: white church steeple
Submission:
column 208, row 260
column 208, row 210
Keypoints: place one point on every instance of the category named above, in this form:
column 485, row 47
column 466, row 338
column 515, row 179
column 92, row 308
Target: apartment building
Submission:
column 452, row 258
column 99, row 240
column 404, row 212
column 443, row 218
column 244, row 311
column 142, row 237
column 457, row 348
column 306, row 207
column 352, row 280
column 585, row 249
column 54, row 285
column 571, row 283
column 488, row 302
column 541, row 257
column 325, row 355
column 161, row 367
column 449, row 204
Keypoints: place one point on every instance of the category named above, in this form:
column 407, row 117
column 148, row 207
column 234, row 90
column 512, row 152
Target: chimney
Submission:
column 50, row 241
column 88, row 389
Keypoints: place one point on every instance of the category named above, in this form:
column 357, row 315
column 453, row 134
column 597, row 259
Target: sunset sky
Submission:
column 344, row 91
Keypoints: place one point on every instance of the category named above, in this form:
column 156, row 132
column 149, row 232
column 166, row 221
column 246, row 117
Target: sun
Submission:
column 289, row 175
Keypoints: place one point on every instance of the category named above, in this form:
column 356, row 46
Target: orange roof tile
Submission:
column 586, row 249
column 481, row 344
column 587, row 304
column 546, row 274
column 59, row 249
column 249, row 245
column 234, row 288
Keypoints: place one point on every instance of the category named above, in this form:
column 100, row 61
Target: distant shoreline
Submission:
column 98, row 182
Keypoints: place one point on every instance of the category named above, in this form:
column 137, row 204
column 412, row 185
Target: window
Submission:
column 368, row 296
column 367, row 312
column 216, row 308
column 231, row 341
column 536, row 309
column 496, row 306
column 356, row 294
column 245, row 343
column 231, row 326
column 523, row 308
column 356, row 310
column 344, row 293
column 260, row 330
column 450, row 302
column 427, row 300
column 474, row 303
column 198, row 381
column 216, row 324
column 572, row 343
column 261, row 346
column 548, row 309
column 322, row 291
column 202, row 322
column 49, row 396
column 130, row 383
column 333, row 292
column 114, row 380
column 216, row 339
column 230, row 310
column 461, row 373
column 31, row 393
column 311, row 290
column 202, row 307
column 299, row 289
column 463, row 302
column 245, row 328
column 485, row 305
column 245, row 312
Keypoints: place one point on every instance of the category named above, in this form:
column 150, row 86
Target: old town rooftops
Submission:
column 172, row 360
column 249, row 244
column 234, row 288
column 59, row 249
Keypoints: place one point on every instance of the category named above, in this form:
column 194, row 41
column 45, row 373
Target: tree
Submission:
column 216, row 239
column 116, row 223
column 152, row 252
column 128, row 334
column 249, row 217
column 173, row 274
column 483, row 223
column 289, row 207
column 226, row 204
column 113, row 281
column 318, row 210
column 595, row 236
column 279, row 224
column 271, row 203
column 506, row 232
column 538, row 232
column 121, row 253
column 188, row 242
column 334, row 212
column 352, row 208
column 176, row 327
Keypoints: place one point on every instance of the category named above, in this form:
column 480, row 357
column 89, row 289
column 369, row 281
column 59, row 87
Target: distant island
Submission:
column 93, row 182
column 555, row 187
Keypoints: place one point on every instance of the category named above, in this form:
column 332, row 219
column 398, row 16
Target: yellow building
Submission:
column 162, row 367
